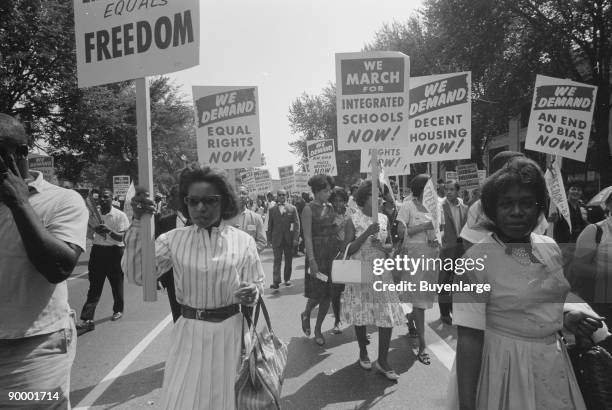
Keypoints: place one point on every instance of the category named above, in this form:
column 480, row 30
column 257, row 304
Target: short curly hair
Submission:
column 338, row 194
column 196, row 173
column 519, row 171
column 363, row 192
column 319, row 182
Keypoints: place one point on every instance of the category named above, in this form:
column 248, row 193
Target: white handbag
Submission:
column 346, row 270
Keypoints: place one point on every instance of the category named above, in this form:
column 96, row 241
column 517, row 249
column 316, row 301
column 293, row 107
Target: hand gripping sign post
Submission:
column 561, row 116
column 131, row 39
column 321, row 157
column 227, row 120
column 440, row 114
column 372, row 104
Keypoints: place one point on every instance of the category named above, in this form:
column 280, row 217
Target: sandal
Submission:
column 305, row 323
column 336, row 330
column 424, row 358
column 412, row 330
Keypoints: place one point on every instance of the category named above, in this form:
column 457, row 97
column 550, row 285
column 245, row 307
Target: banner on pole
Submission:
column 121, row 184
column 561, row 117
column 123, row 40
column 556, row 191
column 431, row 203
column 392, row 159
column 227, row 126
column 286, row 177
column 321, row 157
column 440, row 127
column 372, row 99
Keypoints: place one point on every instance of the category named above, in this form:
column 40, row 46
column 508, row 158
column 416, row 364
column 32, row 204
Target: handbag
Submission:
column 592, row 366
column 262, row 369
column 346, row 270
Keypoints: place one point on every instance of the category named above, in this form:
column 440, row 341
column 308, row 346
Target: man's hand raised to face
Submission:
column 13, row 188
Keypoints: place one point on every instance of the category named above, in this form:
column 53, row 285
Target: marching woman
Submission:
column 509, row 355
column 216, row 269
column 362, row 305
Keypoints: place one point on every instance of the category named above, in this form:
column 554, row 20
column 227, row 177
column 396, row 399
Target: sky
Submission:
column 285, row 48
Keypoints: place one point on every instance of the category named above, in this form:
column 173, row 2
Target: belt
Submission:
column 210, row 315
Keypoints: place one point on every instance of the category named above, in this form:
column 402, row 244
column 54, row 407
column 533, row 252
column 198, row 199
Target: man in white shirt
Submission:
column 42, row 235
column 249, row 222
column 105, row 261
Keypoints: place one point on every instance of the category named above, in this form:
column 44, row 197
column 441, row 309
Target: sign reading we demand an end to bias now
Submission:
column 440, row 118
column 227, row 120
column 118, row 40
column 561, row 116
column 372, row 99
column 321, row 157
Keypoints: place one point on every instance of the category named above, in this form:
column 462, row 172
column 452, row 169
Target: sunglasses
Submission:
column 207, row 200
column 20, row 151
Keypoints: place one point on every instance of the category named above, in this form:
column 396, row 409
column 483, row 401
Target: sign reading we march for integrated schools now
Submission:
column 440, row 114
column 561, row 116
column 127, row 39
column 321, row 157
column 227, row 121
column 392, row 160
column 372, row 99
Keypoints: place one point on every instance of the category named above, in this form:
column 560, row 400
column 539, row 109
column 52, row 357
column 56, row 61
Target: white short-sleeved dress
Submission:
column 524, row 364
column 204, row 357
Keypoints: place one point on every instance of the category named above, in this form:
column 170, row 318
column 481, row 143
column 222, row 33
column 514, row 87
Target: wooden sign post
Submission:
column 375, row 176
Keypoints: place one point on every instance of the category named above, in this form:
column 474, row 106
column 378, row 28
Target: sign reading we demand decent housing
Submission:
column 561, row 116
column 372, row 99
column 227, row 120
column 321, row 157
column 126, row 39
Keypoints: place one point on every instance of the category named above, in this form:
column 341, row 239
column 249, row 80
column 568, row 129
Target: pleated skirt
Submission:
column 202, row 364
column 522, row 374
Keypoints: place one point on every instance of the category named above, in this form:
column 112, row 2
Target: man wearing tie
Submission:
column 283, row 234
column 455, row 216
column 249, row 221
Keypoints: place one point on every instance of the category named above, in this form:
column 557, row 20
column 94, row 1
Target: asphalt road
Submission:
column 120, row 364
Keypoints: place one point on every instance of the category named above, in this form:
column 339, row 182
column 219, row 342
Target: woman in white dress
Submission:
column 509, row 355
column 216, row 268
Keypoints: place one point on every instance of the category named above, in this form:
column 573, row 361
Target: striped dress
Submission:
column 204, row 357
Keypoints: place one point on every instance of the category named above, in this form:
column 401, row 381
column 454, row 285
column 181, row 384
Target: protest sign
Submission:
column 451, row 176
column 372, row 99
column 42, row 164
column 431, row 203
column 121, row 184
column 561, row 117
column 286, row 177
column 262, row 183
column 276, row 185
column 247, row 179
column 556, row 191
column 467, row 176
column 301, row 182
column 321, row 157
column 128, row 39
column 393, row 160
column 482, row 175
column 440, row 114
column 227, row 126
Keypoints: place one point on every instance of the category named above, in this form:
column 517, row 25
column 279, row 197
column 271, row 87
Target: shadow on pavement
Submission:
column 126, row 387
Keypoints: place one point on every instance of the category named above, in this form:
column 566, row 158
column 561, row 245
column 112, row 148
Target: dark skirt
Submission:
column 325, row 250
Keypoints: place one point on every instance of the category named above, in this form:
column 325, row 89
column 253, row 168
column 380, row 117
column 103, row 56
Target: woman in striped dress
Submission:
column 217, row 268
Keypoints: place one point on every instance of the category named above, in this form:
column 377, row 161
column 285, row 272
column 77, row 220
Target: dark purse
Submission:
column 592, row 366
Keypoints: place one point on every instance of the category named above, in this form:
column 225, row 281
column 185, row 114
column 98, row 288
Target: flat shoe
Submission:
column 305, row 323
column 336, row 330
column 389, row 374
column 320, row 340
column 424, row 358
column 365, row 364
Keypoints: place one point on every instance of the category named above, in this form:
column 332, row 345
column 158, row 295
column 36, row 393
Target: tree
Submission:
column 506, row 43
column 314, row 117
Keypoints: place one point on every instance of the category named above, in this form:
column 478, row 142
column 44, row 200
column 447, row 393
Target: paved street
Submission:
column 120, row 364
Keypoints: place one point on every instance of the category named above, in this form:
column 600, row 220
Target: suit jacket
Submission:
column 283, row 229
column 450, row 247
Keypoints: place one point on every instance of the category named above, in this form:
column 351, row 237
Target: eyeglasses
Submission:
column 207, row 200
column 523, row 204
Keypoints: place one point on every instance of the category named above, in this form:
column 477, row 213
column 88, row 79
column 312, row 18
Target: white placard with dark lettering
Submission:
column 561, row 116
column 440, row 118
column 392, row 160
column 227, row 126
column 127, row 39
column 321, row 157
column 286, row 177
column 372, row 99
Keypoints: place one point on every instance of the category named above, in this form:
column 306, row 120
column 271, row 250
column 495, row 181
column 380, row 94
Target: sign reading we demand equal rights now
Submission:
column 127, row 39
column 372, row 99
column 561, row 116
column 440, row 113
column 227, row 120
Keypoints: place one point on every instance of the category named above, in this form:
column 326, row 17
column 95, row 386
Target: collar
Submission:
column 38, row 184
column 222, row 225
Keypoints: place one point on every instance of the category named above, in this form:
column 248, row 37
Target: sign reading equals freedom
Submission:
column 372, row 99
